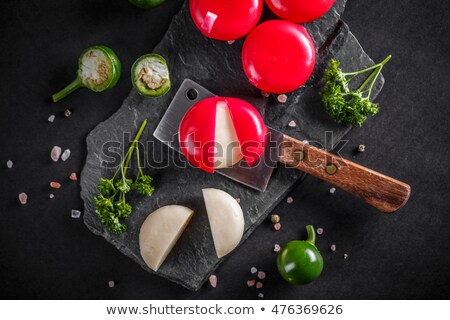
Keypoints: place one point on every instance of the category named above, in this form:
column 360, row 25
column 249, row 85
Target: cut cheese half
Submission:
column 226, row 220
column 218, row 132
column 227, row 147
column 160, row 231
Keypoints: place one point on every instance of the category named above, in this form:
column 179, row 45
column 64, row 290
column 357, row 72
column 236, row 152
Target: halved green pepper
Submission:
column 299, row 262
column 146, row 4
column 150, row 75
column 98, row 70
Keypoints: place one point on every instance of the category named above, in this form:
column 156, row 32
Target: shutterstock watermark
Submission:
column 156, row 155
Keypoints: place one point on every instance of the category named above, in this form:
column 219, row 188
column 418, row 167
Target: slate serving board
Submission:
column 217, row 66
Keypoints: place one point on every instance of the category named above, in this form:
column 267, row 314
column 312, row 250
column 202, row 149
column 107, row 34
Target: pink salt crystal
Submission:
column 73, row 176
column 265, row 94
column 238, row 200
column 208, row 22
column 276, row 248
column 251, row 283
column 65, row 155
column 282, row 98
column 55, row 185
column 213, row 280
column 259, row 285
column 51, row 195
column 230, row 42
column 56, row 153
column 289, row 200
column 292, row 124
column 23, row 198
column 277, row 226
column 261, row 275
column 76, row 214
column 111, row 284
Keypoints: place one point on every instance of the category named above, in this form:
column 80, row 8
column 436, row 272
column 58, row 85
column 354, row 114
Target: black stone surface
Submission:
column 217, row 66
column 46, row 254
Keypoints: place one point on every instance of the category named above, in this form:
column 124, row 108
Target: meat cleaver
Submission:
column 382, row 192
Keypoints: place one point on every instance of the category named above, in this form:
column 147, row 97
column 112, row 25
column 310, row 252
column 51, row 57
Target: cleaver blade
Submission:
column 189, row 93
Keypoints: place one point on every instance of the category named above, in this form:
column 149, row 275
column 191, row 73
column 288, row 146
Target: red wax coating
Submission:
column 250, row 129
column 235, row 18
column 300, row 10
column 278, row 56
column 196, row 134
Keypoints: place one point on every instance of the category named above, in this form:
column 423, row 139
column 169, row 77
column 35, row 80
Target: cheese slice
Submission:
column 226, row 220
column 228, row 150
column 160, row 231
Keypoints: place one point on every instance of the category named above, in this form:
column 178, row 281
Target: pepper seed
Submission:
column 275, row 218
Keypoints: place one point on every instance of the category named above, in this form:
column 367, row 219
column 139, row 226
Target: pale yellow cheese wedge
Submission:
column 226, row 220
column 226, row 139
column 160, row 231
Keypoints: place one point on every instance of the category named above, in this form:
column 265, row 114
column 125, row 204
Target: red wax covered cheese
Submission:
column 218, row 132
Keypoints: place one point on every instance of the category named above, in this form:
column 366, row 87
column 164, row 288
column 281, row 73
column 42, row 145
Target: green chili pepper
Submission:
column 150, row 75
column 146, row 4
column 299, row 262
column 98, row 70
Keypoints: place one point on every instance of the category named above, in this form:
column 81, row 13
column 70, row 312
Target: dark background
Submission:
column 44, row 253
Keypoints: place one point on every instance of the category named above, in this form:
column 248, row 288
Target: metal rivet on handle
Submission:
column 331, row 168
column 299, row 155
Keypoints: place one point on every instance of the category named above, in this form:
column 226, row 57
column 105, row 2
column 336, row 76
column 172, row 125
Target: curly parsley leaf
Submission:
column 106, row 187
column 124, row 185
column 143, row 185
column 110, row 203
column 343, row 104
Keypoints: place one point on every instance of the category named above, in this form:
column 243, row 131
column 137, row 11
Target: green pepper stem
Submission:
column 311, row 234
column 74, row 85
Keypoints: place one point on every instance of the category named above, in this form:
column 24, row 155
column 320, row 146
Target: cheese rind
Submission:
column 226, row 220
column 160, row 232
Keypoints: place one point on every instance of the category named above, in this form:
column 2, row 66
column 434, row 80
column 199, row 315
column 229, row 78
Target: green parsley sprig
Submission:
column 345, row 105
column 111, row 204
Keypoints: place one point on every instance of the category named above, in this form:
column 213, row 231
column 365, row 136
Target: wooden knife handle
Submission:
column 382, row 192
